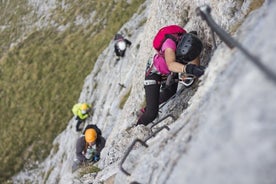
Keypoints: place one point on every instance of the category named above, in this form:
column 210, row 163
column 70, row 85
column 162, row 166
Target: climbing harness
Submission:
column 186, row 79
column 150, row 82
column 120, row 71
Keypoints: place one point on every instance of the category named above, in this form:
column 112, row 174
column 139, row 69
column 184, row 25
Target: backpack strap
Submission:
column 174, row 38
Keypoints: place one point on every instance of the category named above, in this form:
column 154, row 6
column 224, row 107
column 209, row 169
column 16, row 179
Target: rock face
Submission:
column 225, row 126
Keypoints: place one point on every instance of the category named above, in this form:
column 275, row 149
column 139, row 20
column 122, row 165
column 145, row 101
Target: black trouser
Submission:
column 154, row 97
column 79, row 121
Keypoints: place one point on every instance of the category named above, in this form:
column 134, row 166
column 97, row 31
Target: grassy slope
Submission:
column 41, row 78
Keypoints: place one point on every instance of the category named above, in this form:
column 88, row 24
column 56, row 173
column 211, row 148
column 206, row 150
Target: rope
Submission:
column 204, row 12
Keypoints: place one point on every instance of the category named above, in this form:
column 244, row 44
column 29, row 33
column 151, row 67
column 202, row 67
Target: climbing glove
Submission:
column 96, row 158
column 194, row 70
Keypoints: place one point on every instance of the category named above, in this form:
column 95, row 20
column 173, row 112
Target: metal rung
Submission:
column 127, row 153
column 162, row 119
column 143, row 143
column 157, row 131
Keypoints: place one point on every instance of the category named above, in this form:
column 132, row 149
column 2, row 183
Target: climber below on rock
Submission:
column 89, row 146
column 81, row 112
column 120, row 46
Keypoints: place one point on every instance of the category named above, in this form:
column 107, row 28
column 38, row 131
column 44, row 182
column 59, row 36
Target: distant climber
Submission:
column 177, row 52
column 81, row 113
column 120, row 45
column 89, row 146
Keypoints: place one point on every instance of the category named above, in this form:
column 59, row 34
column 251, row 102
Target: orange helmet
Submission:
column 90, row 135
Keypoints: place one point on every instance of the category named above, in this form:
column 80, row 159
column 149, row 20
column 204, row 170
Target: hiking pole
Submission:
column 214, row 39
column 204, row 11
column 120, row 71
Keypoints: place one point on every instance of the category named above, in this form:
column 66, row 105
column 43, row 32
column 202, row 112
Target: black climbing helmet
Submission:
column 188, row 48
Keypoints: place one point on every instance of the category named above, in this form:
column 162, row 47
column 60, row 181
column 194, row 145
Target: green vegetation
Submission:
column 48, row 174
column 124, row 99
column 42, row 76
column 255, row 5
column 11, row 24
column 89, row 169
